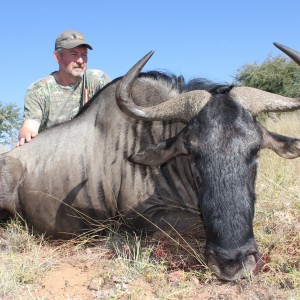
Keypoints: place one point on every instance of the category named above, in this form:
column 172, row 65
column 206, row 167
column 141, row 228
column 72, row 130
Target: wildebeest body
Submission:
column 81, row 167
column 158, row 153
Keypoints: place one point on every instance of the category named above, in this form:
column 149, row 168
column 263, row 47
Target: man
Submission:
column 59, row 96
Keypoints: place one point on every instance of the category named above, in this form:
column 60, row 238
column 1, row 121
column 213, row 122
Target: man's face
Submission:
column 73, row 61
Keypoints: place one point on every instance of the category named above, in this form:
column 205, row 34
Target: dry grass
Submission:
column 127, row 266
column 277, row 221
column 22, row 258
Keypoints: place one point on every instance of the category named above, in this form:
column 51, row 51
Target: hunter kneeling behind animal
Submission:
column 59, row 96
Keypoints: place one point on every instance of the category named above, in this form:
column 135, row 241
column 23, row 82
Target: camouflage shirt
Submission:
column 50, row 103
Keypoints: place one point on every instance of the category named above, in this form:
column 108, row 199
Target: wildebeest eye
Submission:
column 254, row 153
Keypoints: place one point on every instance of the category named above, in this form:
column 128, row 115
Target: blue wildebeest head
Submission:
column 222, row 141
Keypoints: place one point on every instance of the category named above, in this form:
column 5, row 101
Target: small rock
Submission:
column 96, row 284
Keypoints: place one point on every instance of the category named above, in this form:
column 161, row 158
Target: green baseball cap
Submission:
column 70, row 39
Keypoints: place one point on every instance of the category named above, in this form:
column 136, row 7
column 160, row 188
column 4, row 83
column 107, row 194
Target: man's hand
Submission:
column 29, row 130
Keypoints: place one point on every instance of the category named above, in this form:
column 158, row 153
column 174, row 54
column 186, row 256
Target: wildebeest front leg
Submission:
column 181, row 222
column 167, row 220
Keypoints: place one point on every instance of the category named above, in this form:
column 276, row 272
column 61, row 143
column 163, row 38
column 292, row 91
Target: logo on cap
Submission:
column 70, row 39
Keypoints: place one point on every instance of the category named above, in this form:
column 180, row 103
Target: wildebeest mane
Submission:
column 183, row 86
column 176, row 82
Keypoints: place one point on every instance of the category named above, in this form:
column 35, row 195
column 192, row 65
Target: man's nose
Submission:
column 80, row 60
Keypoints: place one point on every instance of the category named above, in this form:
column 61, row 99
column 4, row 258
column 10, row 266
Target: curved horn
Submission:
column 257, row 101
column 293, row 54
column 183, row 107
column 123, row 91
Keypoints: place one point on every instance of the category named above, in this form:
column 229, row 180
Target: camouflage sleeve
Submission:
column 96, row 79
column 35, row 102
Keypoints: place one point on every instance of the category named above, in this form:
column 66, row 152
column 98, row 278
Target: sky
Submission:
column 193, row 38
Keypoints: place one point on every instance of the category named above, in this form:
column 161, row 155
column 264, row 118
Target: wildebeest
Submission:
column 158, row 152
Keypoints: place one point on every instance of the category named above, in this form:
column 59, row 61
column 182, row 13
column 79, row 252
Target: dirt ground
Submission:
column 92, row 273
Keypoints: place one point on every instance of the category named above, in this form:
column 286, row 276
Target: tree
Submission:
column 10, row 122
column 278, row 75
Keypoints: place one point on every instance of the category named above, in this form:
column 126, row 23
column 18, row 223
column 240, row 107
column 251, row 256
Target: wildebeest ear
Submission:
column 284, row 146
column 159, row 154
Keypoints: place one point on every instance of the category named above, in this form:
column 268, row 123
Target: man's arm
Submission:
column 29, row 130
column 33, row 111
